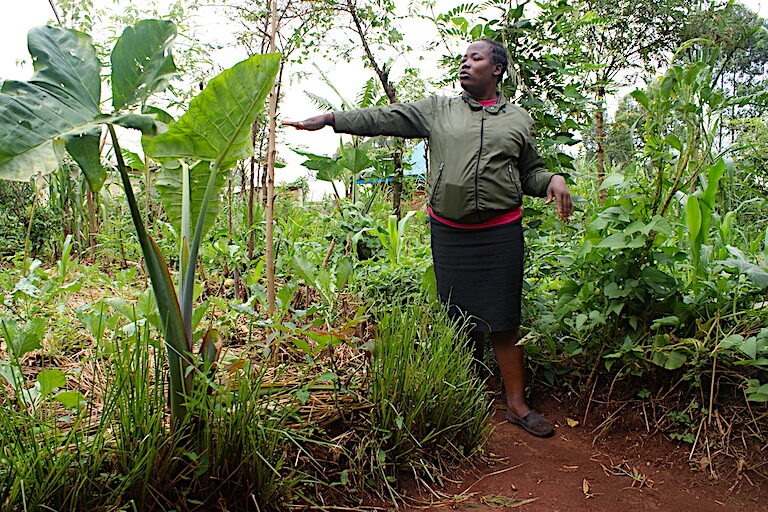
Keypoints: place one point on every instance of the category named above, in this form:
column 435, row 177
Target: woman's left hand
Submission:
column 558, row 190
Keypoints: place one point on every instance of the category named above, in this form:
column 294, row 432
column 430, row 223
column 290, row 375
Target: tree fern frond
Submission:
column 367, row 97
column 346, row 105
column 321, row 102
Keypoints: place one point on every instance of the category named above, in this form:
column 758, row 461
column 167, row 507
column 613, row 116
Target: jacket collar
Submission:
column 491, row 109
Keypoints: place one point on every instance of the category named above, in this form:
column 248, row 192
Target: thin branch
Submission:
column 383, row 75
column 55, row 12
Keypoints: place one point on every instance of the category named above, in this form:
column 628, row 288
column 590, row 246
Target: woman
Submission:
column 483, row 159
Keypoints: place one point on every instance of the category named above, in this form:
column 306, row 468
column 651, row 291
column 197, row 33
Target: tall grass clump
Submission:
column 117, row 448
column 235, row 452
column 250, row 444
column 429, row 408
column 41, row 464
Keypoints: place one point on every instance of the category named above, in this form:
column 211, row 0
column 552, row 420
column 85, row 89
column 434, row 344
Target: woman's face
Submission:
column 477, row 70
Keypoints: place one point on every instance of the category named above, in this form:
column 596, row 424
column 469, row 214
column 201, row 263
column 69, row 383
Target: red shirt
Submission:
column 504, row 218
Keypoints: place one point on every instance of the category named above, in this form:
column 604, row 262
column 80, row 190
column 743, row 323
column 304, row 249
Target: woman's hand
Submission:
column 313, row 123
column 558, row 190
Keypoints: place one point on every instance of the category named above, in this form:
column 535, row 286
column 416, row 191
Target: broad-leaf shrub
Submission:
column 655, row 281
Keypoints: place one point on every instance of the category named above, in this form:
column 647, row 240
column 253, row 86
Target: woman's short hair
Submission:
column 498, row 54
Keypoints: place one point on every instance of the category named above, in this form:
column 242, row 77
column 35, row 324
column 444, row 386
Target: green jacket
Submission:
column 482, row 159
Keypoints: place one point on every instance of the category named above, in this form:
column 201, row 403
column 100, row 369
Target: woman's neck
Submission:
column 488, row 97
column 484, row 95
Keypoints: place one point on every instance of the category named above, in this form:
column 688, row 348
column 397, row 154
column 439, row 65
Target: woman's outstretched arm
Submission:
column 313, row 123
column 409, row 120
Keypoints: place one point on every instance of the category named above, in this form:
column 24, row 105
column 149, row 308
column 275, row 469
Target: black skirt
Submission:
column 479, row 273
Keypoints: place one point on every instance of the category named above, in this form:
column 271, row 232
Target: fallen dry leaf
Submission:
column 585, row 488
column 499, row 500
column 521, row 502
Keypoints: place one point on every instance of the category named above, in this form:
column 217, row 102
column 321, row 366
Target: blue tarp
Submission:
column 416, row 162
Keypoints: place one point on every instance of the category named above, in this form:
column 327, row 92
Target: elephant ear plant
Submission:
column 59, row 110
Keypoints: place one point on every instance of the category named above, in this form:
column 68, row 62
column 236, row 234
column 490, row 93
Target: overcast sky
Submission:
column 348, row 77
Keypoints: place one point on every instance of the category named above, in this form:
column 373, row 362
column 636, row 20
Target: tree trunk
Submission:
column 397, row 178
column 65, row 190
column 600, row 137
column 389, row 89
column 263, row 181
column 270, row 175
column 251, row 192
column 93, row 226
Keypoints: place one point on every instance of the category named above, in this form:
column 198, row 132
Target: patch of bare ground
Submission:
column 625, row 469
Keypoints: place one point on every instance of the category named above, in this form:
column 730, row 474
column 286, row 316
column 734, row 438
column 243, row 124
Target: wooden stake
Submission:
column 270, row 171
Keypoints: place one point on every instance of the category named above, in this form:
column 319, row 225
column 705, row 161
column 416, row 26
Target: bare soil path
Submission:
column 624, row 472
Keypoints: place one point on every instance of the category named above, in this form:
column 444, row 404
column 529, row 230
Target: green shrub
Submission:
column 385, row 285
column 16, row 206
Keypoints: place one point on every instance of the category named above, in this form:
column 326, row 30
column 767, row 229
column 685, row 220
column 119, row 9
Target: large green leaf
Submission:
column 355, row 159
column 141, row 62
column 758, row 276
column 34, row 161
column 169, row 186
column 23, row 338
column 51, row 379
column 60, row 100
column 60, row 103
column 693, row 218
column 160, row 114
column 133, row 160
column 707, row 201
column 146, row 123
column 217, row 126
column 66, row 65
column 85, row 150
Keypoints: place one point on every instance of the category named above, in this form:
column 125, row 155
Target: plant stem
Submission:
column 55, row 12
column 29, row 231
column 177, row 338
column 186, row 224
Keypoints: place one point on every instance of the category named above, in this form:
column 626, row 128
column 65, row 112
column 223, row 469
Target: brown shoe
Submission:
column 533, row 423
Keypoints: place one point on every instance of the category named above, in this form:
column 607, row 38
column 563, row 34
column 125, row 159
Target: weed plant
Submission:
column 115, row 447
column 16, row 205
column 429, row 408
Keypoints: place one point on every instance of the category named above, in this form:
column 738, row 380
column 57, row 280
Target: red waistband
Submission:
column 504, row 218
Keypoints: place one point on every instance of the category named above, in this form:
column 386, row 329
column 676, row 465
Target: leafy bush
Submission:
column 16, row 205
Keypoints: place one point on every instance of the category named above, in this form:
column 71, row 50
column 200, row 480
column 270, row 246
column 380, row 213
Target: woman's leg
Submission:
column 477, row 345
column 512, row 368
column 477, row 341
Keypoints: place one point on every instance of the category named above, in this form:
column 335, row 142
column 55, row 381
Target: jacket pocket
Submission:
column 433, row 194
column 515, row 183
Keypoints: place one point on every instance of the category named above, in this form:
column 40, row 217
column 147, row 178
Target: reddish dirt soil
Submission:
column 566, row 473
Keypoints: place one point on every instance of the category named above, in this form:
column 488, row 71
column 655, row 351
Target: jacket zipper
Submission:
column 477, row 167
column 437, row 182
